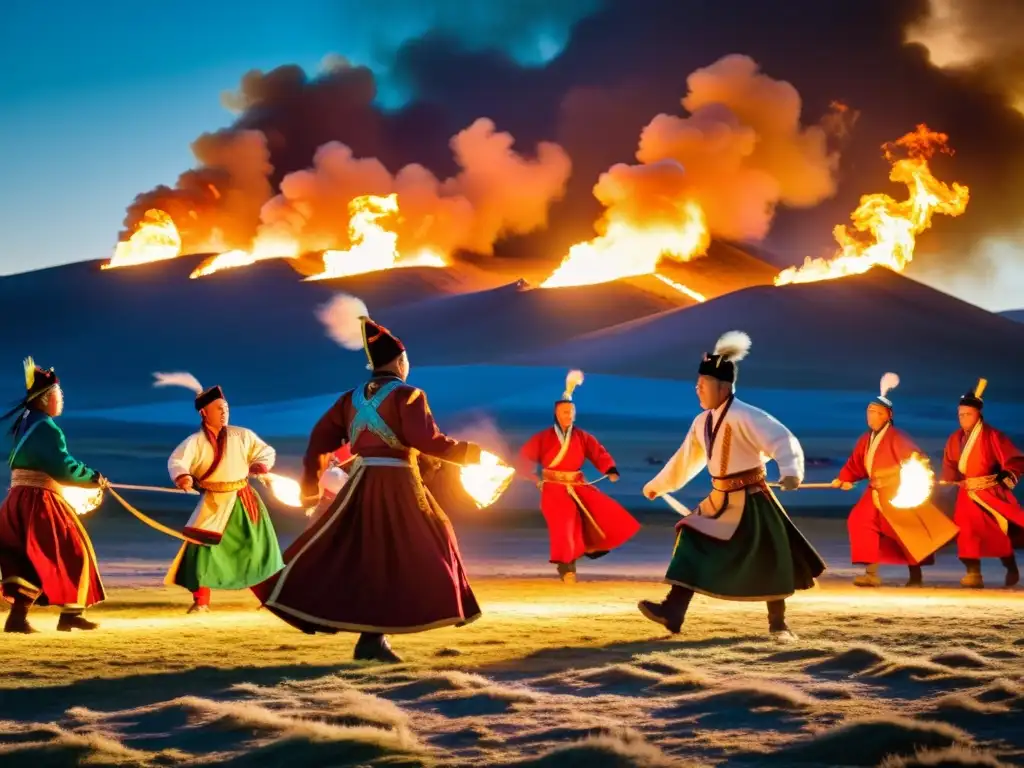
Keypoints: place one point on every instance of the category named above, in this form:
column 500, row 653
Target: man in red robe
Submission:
column 382, row 558
column 986, row 465
column 881, row 534
column 46, row 557
column 581, row 520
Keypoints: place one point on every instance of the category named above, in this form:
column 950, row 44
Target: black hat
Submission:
column 37, row 380
column 972, row 397
column 730, row 348
column 381, row 346
column 208, row 396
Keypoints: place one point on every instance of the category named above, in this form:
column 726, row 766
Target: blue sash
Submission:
column 367, row 417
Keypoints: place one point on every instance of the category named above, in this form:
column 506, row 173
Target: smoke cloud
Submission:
column 740, row 153
column 496, row 193
column 979, row 37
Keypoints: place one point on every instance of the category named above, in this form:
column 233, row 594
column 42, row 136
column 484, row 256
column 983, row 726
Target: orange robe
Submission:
column 879, row 532
column 991, row 520
column 581, row 520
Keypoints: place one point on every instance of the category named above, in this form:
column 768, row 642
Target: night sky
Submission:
column 100, row 103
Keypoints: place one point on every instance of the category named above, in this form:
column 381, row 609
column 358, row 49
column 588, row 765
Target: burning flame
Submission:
column 626, row 250
column 82, row 500
column 487, row 480
column 889, row 226
column 285, row 490
column 373, row 247
column 916, row 483
column 265, row 248
column 154, row 239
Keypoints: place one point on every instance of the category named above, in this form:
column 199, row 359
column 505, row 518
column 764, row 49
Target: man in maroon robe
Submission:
column 581, row 520
column 987, row 466
column 881, row 534
column 382, row 558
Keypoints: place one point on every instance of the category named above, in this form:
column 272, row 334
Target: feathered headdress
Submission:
column 973, row 397
column 572, row 380
column 730, row 348
column 187, row 381
column 37, row 382
column 348, row 323
column 888, row 383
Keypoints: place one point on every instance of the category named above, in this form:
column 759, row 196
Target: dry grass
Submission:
column 551, row 675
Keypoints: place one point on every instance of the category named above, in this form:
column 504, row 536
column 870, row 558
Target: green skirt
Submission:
column 247, row 554
column 767, row 557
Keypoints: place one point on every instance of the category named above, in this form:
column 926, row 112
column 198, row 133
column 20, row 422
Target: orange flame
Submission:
column 266, row 247
column 627, row 250
column 889, row 227
column 154, row 239
column 373, row 248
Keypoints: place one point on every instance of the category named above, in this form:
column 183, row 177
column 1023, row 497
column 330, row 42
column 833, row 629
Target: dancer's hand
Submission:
column 101, row 481
column 185, row 482
column 613, row 475
column 789, row 483
column 1007, row 478
column 650, row 493
column 842, row 485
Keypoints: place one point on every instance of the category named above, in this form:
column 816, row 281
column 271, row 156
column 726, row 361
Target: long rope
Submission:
column 148, row 520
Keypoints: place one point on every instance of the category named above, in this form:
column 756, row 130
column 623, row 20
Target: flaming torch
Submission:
column 916, row 483
column 82, row 500
column 486, row 480
column 285, row 489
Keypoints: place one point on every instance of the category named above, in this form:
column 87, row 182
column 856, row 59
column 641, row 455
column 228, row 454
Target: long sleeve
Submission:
column 951, row 459
column 50, row 448
column 183, row 458
column 420, row 431
column 1010, row 458
column 689, row 460
column 854, row 470
column 261, row 455
column 597, row 454
column 327, row 436
column 776, row 442
column 529, row 455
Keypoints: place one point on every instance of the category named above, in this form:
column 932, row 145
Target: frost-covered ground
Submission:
column 550, row 676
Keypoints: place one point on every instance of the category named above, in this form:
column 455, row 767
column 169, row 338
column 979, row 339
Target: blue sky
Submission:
column 100, row 101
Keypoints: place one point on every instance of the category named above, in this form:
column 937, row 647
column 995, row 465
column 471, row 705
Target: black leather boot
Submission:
column 1012, row 571
column 70, row 621
column 916, row 576
column 671, row 612
column 17, row 619
column 375, row 647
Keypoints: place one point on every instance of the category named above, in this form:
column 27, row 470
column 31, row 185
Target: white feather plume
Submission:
column 573, row 379
column 733, row 346
column 342, row 318
column 888, row 383
column 180, row 379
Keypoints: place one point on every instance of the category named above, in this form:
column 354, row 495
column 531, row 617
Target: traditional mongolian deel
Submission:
column 739, row 544
column 581, row 519
column 46, row 556
column 240, row 547
column 383, row 557
column 987, row 466
column 881, row 534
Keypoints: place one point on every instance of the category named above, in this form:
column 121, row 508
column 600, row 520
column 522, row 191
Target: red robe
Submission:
column 581, row 520
column 383, row 556
column 991, row 520
column 873, row 522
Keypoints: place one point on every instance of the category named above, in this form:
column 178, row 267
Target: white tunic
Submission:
column 242, row 449
column 747, row 439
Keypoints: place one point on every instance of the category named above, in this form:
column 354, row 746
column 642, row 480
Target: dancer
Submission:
column 383, row 558
column 986, row 465
column 240, row 547
column 46, row 557
column 581, row 520
column 881, row 534
column 739, row 544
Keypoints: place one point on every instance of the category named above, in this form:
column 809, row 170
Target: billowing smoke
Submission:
column 740, row 153
column 288, row 121
column 980, row 37
column 496, row 193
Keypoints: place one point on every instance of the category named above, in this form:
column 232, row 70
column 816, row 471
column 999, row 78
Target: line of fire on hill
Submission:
column 380, row 556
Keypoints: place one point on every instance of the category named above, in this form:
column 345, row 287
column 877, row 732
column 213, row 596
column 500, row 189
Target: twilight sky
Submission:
column 100, row 102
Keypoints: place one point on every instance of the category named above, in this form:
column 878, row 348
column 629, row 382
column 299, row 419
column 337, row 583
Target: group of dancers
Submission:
column 381, row 557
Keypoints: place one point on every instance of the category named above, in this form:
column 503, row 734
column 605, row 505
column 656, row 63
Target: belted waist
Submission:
column 980, row 483
column 381, row 461
column 559, row 476
column 30, row 478
column 739, row 480
column 229, row 486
